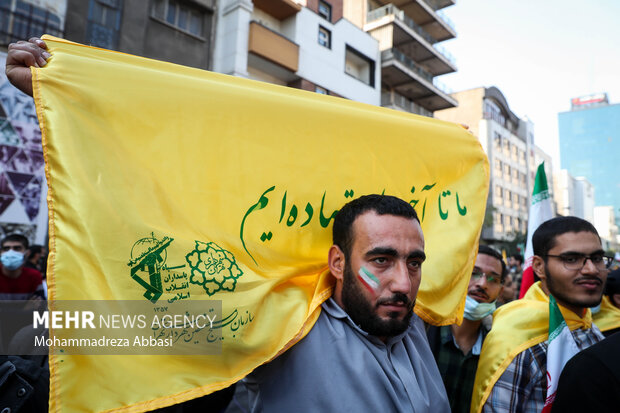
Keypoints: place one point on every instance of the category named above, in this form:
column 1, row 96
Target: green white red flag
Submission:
column 541, row 210
column 561, row 347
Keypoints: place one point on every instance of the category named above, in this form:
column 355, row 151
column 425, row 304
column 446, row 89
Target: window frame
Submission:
column 328, row 33
column 328, row 15
column 193, row 14
column 371, row 65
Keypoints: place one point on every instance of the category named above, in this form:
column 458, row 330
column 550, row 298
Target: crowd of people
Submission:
column 369, row 352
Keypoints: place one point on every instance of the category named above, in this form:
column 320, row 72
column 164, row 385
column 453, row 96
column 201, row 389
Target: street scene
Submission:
column 405, row 205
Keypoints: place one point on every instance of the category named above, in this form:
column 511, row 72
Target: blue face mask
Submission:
column 12, row 260
column 475, row 311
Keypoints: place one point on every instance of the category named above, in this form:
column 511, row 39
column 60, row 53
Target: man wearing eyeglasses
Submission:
column 570, row 263
column 457, row 347
column 16, row 281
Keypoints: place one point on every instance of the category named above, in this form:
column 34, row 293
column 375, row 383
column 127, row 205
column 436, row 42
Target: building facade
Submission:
column 509, row 144
column 605, row 222
column 590, row 144
column 306, row 45
column 171, row 30
column 573, row 196
column 409, row 33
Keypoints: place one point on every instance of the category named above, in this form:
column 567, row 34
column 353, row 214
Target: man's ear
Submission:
column 336, row 262
column 538, row 266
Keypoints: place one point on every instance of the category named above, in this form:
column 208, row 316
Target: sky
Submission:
column 539, row 54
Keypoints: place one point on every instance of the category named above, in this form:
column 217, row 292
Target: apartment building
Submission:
column 409, row 33
column 306, row 45
column 509, row 143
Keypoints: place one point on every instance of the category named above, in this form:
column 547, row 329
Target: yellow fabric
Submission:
column 608, row 317
column 517, row 326
column 139, row 150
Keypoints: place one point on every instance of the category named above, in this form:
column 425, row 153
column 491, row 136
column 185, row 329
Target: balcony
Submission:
column 273, row 47
column 396, row 101
column 409, row 38
column 440, row 4
column 280, row 9
column 408, row 79
column 435, row 23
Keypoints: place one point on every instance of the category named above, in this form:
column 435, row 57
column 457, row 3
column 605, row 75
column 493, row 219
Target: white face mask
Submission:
column 12, row 260
column 475, row 311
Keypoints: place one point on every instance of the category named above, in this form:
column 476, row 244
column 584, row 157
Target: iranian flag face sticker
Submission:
column 368, row 279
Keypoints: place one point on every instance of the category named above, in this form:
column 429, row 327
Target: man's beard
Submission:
column 559, row 296
column 363, row 312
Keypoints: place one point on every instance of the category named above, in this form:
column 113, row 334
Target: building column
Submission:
column 232, row 34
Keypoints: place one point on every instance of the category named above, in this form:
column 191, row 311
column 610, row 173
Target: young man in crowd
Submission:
column 457, row 347
column 17, row 282
column 570, row 263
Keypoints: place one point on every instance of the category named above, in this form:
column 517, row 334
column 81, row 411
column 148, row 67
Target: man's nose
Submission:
column 482, row 282
column 401, row 280
column 589, row 267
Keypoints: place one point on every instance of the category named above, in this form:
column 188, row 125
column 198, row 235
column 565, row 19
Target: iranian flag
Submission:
column 540, row 211
column 561, row 347
column 368, row 279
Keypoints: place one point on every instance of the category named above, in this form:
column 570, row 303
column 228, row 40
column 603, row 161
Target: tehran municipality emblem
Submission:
column 207, row 265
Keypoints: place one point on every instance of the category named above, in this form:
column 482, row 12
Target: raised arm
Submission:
column 21, row 56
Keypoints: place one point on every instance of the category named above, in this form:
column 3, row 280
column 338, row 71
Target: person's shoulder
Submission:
column 604, row 350
column 31, row 273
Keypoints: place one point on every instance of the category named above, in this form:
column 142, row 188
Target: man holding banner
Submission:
column 532, row 338
column 367, row 340
column 215, row 210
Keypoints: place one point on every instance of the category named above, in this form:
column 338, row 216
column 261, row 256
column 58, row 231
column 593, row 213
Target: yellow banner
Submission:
column 168, row 183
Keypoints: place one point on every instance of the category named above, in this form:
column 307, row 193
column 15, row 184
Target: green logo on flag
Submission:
column 213, row 268
column 210, row 266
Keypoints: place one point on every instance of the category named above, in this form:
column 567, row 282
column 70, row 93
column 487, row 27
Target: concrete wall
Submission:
column 326, row 67
column 142, row 35
column 469, row 110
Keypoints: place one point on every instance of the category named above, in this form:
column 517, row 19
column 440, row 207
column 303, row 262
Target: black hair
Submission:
column 16, row 238
column 518, row 257
column 381, row 204
column 545, row 235
column 613, row 283
column 486, row 250
column 35, row 249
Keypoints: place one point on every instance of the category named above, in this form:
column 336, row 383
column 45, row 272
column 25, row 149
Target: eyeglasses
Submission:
column 492, row 279
column 578, row 261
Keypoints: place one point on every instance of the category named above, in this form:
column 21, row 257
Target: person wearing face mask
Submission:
column 457, row 347
column 16, row 281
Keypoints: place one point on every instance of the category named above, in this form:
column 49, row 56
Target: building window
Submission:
column 325, row 37
column 319, row 89
column 498, row 194
column 498, row 168
column 104, row 23
column 497, row 139
column 21, row 20
column 180, row 15
column 359, row 66
column 325, row 10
